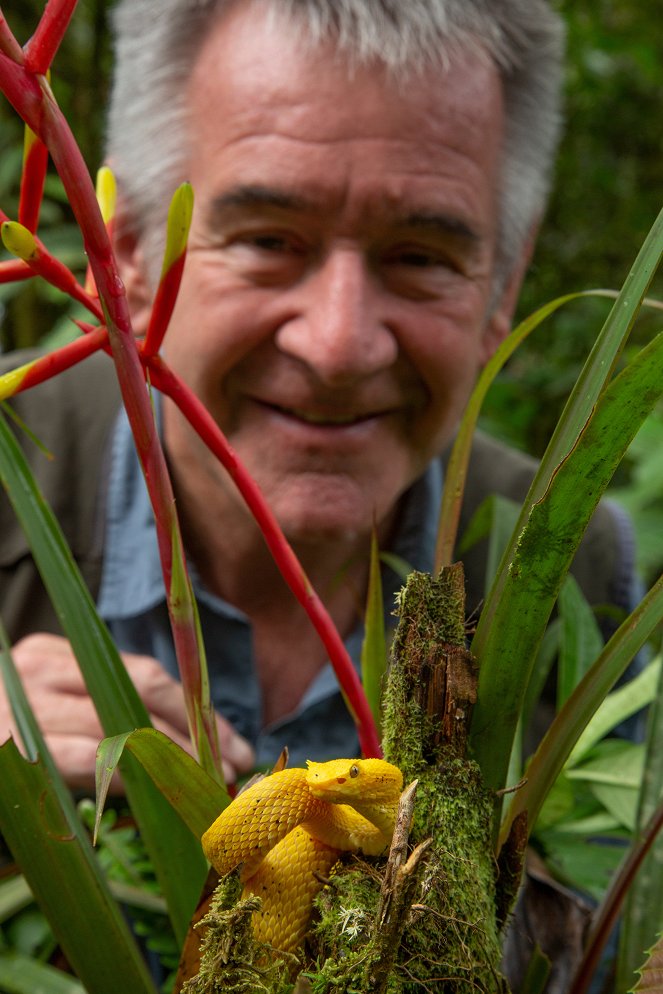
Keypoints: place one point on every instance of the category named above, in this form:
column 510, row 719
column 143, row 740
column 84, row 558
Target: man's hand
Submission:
column 69, row 722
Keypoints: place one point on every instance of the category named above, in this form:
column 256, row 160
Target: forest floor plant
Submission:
column 463, row 800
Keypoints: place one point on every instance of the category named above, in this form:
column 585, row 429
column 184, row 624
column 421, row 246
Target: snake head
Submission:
column 344, row 780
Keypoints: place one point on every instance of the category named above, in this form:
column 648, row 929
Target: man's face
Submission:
column 334, row 308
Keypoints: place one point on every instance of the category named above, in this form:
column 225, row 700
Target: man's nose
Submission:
column 338, row 326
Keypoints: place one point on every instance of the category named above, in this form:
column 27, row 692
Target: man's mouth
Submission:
column 327, row 418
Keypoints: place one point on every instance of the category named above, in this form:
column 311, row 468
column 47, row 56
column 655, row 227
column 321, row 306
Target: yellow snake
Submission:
column 291, row 826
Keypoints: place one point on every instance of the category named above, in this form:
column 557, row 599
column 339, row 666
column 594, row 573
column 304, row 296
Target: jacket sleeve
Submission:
column 72, row 416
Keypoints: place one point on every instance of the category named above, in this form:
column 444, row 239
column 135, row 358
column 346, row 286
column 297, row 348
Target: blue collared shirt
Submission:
column 132, row 602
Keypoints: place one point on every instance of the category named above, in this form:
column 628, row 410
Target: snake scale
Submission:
column 291, row 826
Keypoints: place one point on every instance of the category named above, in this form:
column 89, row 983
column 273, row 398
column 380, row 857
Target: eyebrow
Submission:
column 441, row 224
column 251, row 196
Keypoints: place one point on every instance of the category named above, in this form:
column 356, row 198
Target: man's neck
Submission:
column 234, row 563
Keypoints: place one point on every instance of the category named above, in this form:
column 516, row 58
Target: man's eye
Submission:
column 417, row 259
column 269, row 243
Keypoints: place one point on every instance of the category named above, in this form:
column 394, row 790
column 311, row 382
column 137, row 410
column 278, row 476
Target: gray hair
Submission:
column 157, row 42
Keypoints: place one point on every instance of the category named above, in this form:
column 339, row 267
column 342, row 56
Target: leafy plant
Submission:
column 604, row 412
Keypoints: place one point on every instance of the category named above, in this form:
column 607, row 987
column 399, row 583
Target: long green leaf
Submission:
column 197, row 797
column 374, row 646
column 555, row 749
column 595, row 374
column 642, row 920
column 456, row 469
column 66, row 880
column 580, row 638
column 176, row 856
column 48, row 841
column 22, row 975
column 620, row 705
column 545, row 549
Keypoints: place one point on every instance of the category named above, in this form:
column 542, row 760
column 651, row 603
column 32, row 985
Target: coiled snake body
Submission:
column 292, row 825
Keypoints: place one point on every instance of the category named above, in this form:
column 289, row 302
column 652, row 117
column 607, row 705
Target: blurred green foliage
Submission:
column 607, row 194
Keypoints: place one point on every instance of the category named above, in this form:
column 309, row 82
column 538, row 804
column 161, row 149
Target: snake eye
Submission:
column 354, row 770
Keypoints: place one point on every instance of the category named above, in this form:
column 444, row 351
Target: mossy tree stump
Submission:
column 426, row 918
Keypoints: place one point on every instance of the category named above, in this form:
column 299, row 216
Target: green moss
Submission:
column 231, row 961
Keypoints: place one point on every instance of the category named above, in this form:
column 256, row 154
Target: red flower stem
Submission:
column 201, row 420
column 33, row 176
column 162, row 308
column 8, row 43
column 14, row 269
column 40, row 50
column 34, row 102
column 58, row 275
column 49, row 365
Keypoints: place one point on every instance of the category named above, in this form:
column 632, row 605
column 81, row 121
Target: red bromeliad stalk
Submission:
column 13, row 270
column 8, row 43
column 40, row 50
column 35, row 162
column 32, row 98
column 41, row 263
column 51, row 364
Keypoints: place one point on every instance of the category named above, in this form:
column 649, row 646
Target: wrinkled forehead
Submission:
column 254, row 61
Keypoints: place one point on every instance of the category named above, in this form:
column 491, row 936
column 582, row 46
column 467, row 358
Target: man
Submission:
column 368, row 177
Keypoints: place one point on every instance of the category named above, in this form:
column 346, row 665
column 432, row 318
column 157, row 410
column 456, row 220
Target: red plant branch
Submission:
column 14, row 269
column 42, row 263
column 8, row 43
column 35, row 163
column 50, row 365
column 40, row 50
column 35, row 103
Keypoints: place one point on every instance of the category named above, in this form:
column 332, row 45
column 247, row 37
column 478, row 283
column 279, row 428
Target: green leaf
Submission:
column 651, row 974
column 15, row 894
column 617, row 707
column 197, row 797
column 580, row 638
column 620, row 801
column 65, row 878
column 642, row 919
column 456, row 468
column 596, row 428
column 178, row 861
column 506, row 645
column 581, row 864
column 560, row 739
column 22, row 975
column 374, row 646
column 538, row 971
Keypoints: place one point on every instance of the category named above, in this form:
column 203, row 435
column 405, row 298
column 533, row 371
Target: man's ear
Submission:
column 131, row 262
column 500, row 320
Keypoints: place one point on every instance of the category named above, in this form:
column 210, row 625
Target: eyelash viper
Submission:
column 292, row 825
